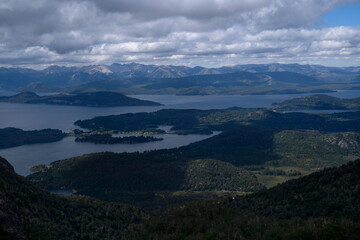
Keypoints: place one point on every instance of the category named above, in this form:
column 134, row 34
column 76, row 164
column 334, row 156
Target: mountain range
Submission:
column 160, row 79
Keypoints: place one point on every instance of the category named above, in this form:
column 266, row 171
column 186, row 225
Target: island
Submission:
column 319, row 102
column 13, row 137
column 191, row 121
column 91, row 99
column 109, row 139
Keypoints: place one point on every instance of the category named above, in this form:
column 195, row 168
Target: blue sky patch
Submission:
column 348, row 15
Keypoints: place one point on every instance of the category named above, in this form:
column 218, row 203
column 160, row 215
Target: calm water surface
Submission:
column 23, row 157
column 30, row 117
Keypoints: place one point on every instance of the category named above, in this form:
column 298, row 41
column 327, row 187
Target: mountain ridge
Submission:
column 91, row 99
column 27, row 212
column 63, row 76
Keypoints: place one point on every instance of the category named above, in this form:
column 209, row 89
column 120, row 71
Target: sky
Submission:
column 208, row 33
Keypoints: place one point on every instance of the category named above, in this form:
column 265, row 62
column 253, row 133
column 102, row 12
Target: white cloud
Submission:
column 210, row 32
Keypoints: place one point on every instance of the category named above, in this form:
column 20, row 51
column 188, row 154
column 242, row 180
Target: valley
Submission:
column 179, row 120
column 170, row 160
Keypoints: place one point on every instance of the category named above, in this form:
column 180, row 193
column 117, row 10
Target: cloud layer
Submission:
column 186, row 32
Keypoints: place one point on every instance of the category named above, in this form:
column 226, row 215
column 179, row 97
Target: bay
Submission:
column 31, row 117
column 26, row 156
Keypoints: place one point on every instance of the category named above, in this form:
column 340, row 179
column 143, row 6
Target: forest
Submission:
column 13, row 137
column 106, row 138
column 273, row 169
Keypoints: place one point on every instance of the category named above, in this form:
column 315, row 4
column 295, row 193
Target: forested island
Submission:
column 206, row 121
column 13, row 137
column 109, row 139
column 91, row 99
column 319, row 102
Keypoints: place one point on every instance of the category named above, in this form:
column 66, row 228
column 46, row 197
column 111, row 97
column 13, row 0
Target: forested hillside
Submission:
column 323, row 205
column 27, row 212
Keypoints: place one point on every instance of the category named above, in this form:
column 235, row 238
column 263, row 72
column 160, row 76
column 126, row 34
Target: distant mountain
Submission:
column 38, row 87
column 236, row 79
column 140, row 78
column 58, row 76
column 25, row 97
column 94, row 99
column 318, row 71
column 27, row 212
column 227, row 83
column 319, row 101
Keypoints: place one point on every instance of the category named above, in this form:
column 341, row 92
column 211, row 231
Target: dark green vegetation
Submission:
column 314, row 150
column 109, row 139
column 332, row 192
column 273, row 156
column 273, row 146
column 93, row 99
column 149, row 180
column 157, row 79
column 210, row 175
column 318, row 101
column 206, row 121
column 13, row 137
column 27, row 212
column 323, row 205
column 184, row 122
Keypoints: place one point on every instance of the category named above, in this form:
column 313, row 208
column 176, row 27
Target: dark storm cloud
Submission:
column 171, row 31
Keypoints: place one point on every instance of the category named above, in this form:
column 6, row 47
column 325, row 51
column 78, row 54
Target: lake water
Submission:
column 30, row 117
column 23, row 157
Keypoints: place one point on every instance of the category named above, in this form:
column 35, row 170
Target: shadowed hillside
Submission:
column 323, row 205
column 30, row 213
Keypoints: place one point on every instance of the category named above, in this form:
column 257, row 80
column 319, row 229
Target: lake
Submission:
column 30, row 117
column 23, row 157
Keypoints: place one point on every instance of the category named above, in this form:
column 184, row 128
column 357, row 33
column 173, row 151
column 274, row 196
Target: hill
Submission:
column 150, row 180
column 30, row 213
column 38, row 87
column 13, row 137
column 205, row 121
column 319, row 101
column 235, row 79
column 323, row 205
column 92, row 99
column 229, row 161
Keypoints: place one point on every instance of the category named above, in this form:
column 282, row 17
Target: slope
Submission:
column 323, row 205
column 30, row 213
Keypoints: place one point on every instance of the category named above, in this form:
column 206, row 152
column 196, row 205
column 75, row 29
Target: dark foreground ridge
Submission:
column 27, row 212
column 323, row 205
column 91, row 99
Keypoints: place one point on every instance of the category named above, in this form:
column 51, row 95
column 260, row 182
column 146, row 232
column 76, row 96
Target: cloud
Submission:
column 187, row 32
